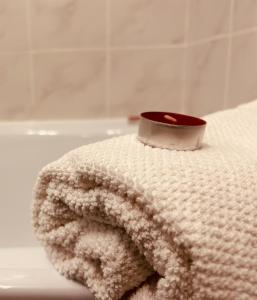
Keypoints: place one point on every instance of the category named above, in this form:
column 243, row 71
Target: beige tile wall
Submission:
column 110, row 58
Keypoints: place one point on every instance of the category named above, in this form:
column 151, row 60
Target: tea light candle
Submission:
column 171, row 130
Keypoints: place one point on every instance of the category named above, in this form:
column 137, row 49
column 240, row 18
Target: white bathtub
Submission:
column 25, row 147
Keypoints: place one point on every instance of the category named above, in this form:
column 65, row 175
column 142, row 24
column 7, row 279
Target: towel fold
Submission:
column 118, row 215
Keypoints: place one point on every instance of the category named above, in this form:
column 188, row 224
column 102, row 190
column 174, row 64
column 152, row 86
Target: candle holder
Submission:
column 171, row 130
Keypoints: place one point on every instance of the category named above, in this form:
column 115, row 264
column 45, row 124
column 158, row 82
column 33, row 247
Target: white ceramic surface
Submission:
column 25, row 148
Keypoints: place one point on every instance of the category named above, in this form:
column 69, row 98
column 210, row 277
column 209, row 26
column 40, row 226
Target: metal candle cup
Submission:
column 171, row 130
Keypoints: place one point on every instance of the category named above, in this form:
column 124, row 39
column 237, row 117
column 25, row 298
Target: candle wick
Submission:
column 170, row 118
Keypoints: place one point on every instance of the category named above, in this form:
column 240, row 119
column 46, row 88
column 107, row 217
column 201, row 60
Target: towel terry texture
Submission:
column 118, row 215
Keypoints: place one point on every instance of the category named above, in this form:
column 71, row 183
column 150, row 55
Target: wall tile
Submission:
column 205, row 80
column 14, row 86
column 145, row 22
column 71, row 82
column 243, row 73
column 208, row 18
column 67, row 23
column 245, row 14
column 13, row 25
column 145, row 80
column 69, row 85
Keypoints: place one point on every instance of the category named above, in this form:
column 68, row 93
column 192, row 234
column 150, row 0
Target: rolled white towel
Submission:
column 113, row 213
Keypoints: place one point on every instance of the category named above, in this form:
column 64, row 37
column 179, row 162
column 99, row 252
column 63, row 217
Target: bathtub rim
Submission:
column 111, row 126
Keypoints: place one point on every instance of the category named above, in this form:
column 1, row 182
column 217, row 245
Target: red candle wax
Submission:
column 173, row 118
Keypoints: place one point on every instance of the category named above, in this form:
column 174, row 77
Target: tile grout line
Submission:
column 146, row 47
column 30, row 52
column 229, row 50
column 135, row 47
column 185, row 59
column 208, row 40
column 108, row 58
column 244, row 31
